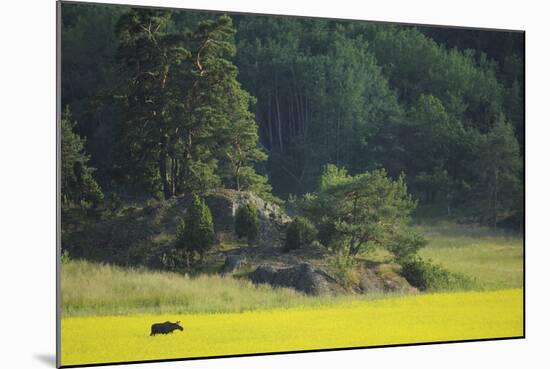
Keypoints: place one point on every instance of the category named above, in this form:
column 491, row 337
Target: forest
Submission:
column 160, row 103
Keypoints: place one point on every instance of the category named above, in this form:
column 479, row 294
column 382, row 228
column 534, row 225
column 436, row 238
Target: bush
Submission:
column 300, row 232
column 65, row 257
column 196, row 233
column 343, row 267
column 405, row 245
column 247, row 223
column 427, row 276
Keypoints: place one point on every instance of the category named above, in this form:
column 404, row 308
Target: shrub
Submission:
column 343, row 267
column 196, row 233
column 427, row 276
column 300, row 232
column 65, row 257
column 247, row 223
column 405, row 245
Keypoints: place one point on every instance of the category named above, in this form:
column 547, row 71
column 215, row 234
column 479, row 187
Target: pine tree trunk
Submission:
column 280, row 129
column 269, row 125
column 163, row 159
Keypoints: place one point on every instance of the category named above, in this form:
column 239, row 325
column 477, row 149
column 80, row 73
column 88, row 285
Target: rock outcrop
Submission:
column 382, row 278
column 232, row 263
column 273, row 219
column 303, row 277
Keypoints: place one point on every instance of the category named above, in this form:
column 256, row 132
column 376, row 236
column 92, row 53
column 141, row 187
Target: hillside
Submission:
column 141, row 235
column 145, row 236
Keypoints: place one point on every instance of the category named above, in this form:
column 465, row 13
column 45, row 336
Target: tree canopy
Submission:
column 77, row 181
column 357, row 213
column 174, row 102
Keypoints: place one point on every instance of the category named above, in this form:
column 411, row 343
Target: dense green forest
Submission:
column 160, row 103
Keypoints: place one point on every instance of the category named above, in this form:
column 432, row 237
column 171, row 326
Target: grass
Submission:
column 102, row 289
column 410, row 319
column 494, row 258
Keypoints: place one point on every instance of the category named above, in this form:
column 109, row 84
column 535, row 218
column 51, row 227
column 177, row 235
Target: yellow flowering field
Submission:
column 394, row 320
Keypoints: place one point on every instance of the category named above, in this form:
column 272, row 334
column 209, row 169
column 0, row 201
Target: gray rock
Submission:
column 303, row 277
column 232, row 263
column 272, row 219
column 371, row 281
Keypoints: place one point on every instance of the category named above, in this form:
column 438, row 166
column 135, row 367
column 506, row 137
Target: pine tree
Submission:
column 197, row 234
column 247, row 223
column 220, row 109
column 150, row 56
column 77, row 182
column 499, row 192
column 186, row 112
column 354, row 214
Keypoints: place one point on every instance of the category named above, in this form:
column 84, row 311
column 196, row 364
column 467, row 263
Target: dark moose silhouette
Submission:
column 165, row 328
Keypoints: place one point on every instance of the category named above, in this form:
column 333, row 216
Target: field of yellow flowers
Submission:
column 392, row 320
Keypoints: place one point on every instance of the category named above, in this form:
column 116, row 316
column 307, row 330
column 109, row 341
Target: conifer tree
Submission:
column 247, row 223
column 77, row 182
column 197, row 234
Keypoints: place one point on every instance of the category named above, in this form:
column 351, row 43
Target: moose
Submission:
column 165, row 328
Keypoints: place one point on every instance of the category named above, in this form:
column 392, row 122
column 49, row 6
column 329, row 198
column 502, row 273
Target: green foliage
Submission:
column 65, row 257
column 180, row 234
column 343, row 267
column 406, row 245
column 300, row 232
column 247, row 223
column 498, row 192
column 185, row 85
column 158, row 95
column 431, row 140
column 195, row 234
column 332, row 176
column 149, row 55
column 354, row 214
column 428, row 276
column 113, row 203
column 321, row 96
column 78, row 186
column 89, row 75
column 416, row 65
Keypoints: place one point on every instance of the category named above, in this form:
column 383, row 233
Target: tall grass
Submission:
column 90, row 288
column 102, row 289
column 493, row 257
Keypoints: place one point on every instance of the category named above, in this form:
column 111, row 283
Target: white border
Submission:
column 27, row 185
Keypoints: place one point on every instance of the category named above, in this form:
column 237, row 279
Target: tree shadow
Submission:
column 48, row 359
